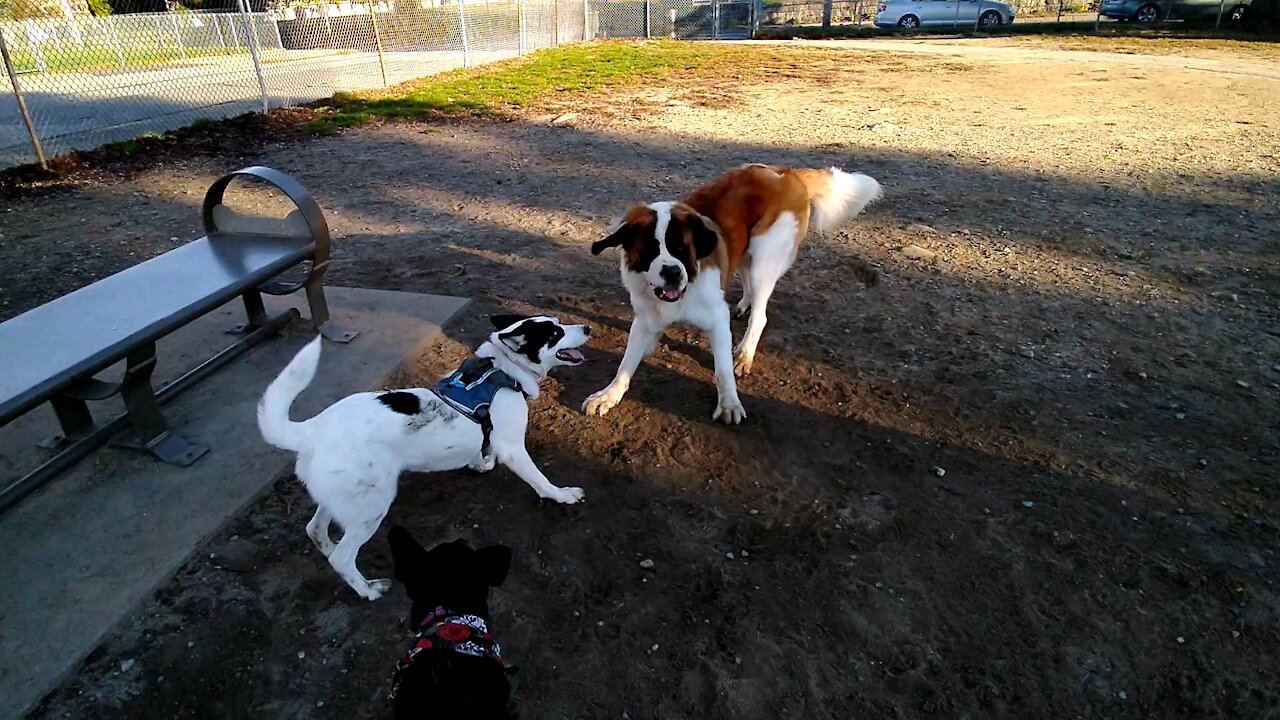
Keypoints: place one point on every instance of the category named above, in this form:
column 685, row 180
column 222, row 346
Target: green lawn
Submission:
column 519, row 83
column 99, row 58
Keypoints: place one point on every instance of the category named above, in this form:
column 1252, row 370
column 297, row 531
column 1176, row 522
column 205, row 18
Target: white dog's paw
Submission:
column 729, row 410
column 743, row 307
column 742, row 364
column 484, row 465
column 376, row 589
column 601, row 402
column 568, row 496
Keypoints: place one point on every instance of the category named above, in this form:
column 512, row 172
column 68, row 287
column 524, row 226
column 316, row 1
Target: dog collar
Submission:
column 444, row 629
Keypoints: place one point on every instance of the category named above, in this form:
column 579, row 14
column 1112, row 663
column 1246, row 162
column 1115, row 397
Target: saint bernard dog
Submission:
column 677, row 258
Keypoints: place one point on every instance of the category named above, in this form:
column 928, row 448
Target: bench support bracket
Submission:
column 150, row 431
column 320, row 307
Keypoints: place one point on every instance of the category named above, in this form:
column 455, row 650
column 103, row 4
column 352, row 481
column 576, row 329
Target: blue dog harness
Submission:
column 470, row 390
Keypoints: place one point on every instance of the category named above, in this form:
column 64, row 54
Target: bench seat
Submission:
column 97, row 326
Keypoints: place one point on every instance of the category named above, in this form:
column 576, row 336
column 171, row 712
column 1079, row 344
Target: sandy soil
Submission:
column 1025, row 477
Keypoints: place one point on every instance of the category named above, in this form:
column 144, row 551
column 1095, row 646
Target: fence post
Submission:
column 1218, row 23
column 673, row 23
column 555, row 30
column 217, row 27
column 956, row 23
column 715, row 17
column 466, row 45
column 37, row 45
column 978, row 18
column 22, row 103
column 586, row 21
column 826, row 14
column 275, row 25
column 520, row 29
column 377, row 41
column 115, row 38
column 177, row 35
column 251, row 39
column 646, row 19
column 1098, row 19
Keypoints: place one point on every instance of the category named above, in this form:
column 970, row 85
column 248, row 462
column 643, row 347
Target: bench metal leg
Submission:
column 150, row 431
column 320, row 308
column 255, row 313
column 77, row 451
column 74, row 418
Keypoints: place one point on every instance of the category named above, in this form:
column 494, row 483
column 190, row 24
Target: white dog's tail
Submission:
column 837, row 195
column 273, row 409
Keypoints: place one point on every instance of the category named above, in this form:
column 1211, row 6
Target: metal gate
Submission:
column 691, row 19
column 733, row 19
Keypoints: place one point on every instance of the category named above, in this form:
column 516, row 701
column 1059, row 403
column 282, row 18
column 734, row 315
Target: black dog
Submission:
column 455, row 669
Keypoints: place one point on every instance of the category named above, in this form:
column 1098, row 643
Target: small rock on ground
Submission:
column 915, row 252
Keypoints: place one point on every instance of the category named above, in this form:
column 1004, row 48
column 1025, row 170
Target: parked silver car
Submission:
column 911, row 14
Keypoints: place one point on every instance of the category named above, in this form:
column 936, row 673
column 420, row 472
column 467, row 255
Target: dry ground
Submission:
column 1026, row 478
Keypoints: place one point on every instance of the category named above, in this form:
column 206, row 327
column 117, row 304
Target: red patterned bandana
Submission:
column 445, row 630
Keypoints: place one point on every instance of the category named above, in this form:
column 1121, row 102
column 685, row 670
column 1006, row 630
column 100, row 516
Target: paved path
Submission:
column 82, row 110
column 89, row 548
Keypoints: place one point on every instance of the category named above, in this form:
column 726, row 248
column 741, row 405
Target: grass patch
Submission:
column 522, row 83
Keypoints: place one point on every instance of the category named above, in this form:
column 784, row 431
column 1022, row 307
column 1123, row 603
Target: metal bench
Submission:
column 51, row 354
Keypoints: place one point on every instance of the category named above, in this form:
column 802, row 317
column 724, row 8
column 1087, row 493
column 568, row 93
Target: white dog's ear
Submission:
column 502, row 322
column 494, row 562
column 515, row 340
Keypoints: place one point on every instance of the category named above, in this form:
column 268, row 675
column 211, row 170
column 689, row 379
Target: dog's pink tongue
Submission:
column 573, row 354
column 668, row 294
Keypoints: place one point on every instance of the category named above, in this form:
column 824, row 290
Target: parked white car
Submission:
column 912, row 14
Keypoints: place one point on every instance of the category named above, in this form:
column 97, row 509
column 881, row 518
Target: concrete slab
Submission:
column 86, row 550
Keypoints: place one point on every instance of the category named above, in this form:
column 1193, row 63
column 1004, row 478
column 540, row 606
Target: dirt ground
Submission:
column 1024, row 478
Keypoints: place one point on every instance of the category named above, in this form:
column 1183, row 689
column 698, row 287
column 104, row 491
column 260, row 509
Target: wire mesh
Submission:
column 88, row 81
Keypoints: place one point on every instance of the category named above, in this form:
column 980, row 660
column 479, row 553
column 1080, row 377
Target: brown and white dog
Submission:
column 678, row 257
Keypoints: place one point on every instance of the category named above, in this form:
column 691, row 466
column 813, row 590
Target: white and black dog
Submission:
column 350, row 456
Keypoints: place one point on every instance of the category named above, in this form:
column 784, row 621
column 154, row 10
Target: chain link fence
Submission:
column 81, row 82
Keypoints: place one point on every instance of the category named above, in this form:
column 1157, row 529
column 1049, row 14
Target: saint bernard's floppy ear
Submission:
column 706, row 234
column 637, row 219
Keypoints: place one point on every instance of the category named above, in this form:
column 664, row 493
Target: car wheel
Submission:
column 990, row 17
column 1237, row 13
column 909, row 22
column 1147, row 14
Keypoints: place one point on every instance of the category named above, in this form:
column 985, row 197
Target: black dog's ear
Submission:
column 494, row 561
column 502, row 322
column 406, row 553
column 706, row 234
